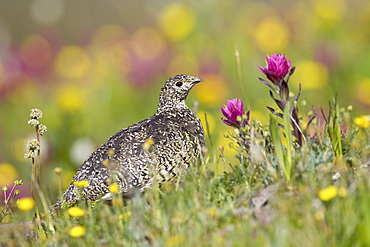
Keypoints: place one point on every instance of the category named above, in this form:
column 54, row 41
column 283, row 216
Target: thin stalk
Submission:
column 38, row 161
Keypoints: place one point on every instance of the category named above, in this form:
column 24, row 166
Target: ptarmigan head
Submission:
column 175, row 90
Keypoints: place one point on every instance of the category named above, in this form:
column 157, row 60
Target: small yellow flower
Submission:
column 110, row 152
column 81, row 183
column 76, row 212
column 363, row 121
column 77, row 231
column 328, row 193
column 174, row 241
column 148, row 143
column 212, row 212
column 105, row 163
column 26, row 203
column 113, row 188
column 125, row 215
column 342, row 192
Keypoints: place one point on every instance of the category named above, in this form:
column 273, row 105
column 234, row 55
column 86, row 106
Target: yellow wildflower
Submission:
column 212, row 211
column 113, row 188
column 8, row 173
column 312, row 74
column 363, row 121
column 77, row 231
column 148, row 143
column 76, row 212
column 125, row 215
column 25, row 204
column 177, row 21
column 271, row 28
column 72, row 61
column 328, row 193
column 342, row 192
column 81, row 183
column 174, row 241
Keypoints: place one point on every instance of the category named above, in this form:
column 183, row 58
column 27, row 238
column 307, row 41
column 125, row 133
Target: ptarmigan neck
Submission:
column 172, row 106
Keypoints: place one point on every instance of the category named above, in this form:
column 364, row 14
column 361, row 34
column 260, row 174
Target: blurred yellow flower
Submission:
column 363, row 121
column 81, row 183
column 271, row 35
column 330, row 10
column 363, row 91
column 77, row 231
column 311, row 74
column 125, row 215
column 342, row 192
column 147, row 43
column 7, row 173
column 70, row 97
column 113, row 188
column 76, row 212
column 25, row 203
column 177, row 21
column 210, row 120
column 212, row 212
column 72, row 61
column 174, row 240
column 216, row 89
column 328, row 193
column 148, row 143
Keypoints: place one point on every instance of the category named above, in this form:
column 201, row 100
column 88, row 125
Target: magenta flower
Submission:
column 277, row 68
column 234, row 111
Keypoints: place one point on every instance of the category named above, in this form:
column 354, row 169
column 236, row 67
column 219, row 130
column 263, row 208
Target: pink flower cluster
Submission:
column 234, row 114
column 277, row 68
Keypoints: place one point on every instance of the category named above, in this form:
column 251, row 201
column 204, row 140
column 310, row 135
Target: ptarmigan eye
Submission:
column 179, row 83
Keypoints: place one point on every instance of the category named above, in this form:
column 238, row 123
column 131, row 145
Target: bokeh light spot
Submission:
column 47, row 12
column 7, row 174
column 70, row 97
column 212, row 91
column 177, row 21
column 72, row 61
column 311, row 74
column 363, row 91
column 147, row 43
column 36, row 52
column 271, row 35
column 331, row 10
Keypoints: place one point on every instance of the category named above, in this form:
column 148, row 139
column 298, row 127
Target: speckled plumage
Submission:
column 155, row 148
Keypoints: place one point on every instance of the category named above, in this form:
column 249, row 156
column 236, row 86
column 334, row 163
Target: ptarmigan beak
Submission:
column 196, row 80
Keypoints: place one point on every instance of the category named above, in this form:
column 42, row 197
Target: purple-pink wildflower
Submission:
column 277, row 68
column 234, row 112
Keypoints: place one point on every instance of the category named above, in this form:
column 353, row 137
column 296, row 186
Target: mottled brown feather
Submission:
column 177, row 138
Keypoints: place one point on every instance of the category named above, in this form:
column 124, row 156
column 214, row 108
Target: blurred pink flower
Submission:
column 234, row 113
column 277, row 68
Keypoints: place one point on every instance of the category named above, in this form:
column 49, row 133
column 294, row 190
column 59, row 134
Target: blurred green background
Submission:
column 94, row 67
